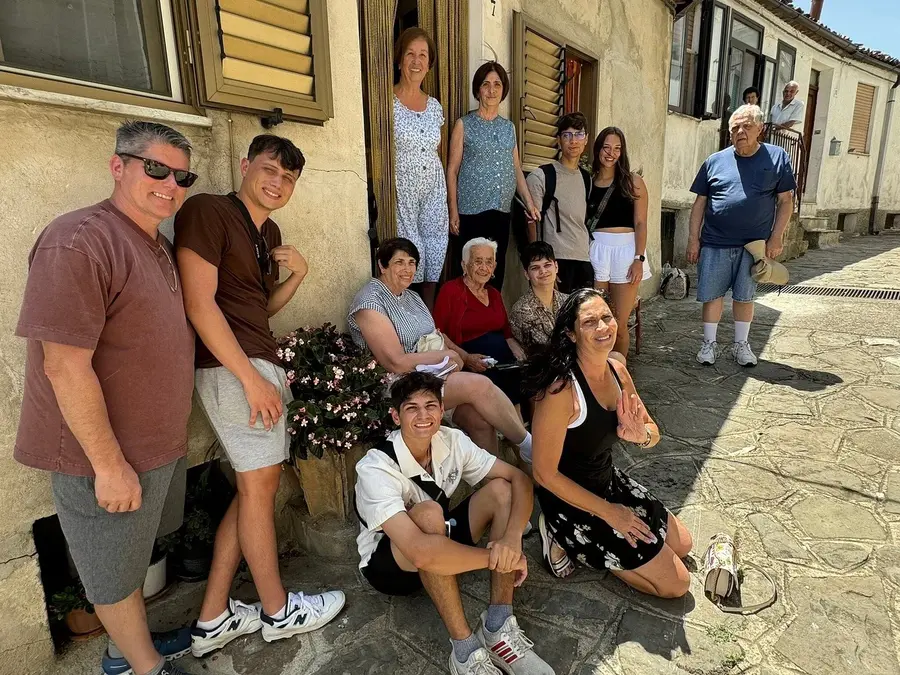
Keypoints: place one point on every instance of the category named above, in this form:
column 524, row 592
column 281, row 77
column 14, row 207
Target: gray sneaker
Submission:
column 707, row 353
column 743, row 354
column 478, row 663
column 511, row 650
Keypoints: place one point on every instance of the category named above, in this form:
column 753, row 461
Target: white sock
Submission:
column 525, row 447
column 741, row 331
column 212, row 623
column 709, row 331
column 280, row 614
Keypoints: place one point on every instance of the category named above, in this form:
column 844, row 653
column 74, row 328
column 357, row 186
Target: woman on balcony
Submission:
column 483, row 171
column 617, row 216
column 394, row 323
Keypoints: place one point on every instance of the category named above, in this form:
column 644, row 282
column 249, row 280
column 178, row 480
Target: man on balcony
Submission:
column 744, row 193
column 788, row 114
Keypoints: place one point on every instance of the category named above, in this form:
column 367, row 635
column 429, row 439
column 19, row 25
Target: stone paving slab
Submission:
column 798, row 459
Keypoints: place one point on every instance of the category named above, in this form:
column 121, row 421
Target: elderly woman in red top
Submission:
column 470, row 312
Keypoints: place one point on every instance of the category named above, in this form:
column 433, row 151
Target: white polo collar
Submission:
column 409, row 467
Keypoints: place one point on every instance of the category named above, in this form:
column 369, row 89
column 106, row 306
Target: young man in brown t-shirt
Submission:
column 108, row 382
column 230, row 254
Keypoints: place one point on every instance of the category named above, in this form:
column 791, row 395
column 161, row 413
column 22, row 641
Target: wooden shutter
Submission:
column 539, row 75
column 258, row 55
column 862, row 118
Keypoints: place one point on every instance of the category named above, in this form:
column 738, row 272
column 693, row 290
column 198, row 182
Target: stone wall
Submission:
column 55, row 153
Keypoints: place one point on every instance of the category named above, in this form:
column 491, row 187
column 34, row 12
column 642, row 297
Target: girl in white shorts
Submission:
column 617, row 216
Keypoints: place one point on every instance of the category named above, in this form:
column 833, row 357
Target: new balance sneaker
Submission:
column 511, row 650
column 707, row 353
column 478, row 663
column 303, row 613
column 170, row 645
column 242, row 619
column 743, row 354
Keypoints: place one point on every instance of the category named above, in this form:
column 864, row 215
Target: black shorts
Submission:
column 385, row 575
column 574, row 274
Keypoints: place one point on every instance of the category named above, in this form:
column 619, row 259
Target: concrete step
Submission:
column 822, row 238
column 816, row 223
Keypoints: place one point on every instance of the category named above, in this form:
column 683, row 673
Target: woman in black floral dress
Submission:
column 591, row 511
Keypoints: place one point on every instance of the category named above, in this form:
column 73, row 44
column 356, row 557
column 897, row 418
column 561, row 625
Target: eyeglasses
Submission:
column 573, row 135
column 160, row 171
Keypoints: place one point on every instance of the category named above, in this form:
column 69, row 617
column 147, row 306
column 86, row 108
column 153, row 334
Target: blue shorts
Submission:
column 721, row 269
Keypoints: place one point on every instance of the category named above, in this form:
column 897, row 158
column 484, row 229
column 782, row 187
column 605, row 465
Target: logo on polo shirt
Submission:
column 453, row 475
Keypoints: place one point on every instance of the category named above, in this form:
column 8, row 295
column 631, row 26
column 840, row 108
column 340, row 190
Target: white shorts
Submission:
column 611, row 256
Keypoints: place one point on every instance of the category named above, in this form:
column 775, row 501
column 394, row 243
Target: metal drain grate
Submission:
column 834, row 292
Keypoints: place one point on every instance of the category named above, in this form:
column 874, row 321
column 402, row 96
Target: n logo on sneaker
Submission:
column 504, row 651
column 235, row 624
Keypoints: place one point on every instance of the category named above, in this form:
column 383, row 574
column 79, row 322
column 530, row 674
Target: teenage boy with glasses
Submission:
column 563, row 188
column 230, row 254
column 108, row 381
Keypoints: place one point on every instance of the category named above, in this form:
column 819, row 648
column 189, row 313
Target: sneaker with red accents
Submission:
column 511, row 650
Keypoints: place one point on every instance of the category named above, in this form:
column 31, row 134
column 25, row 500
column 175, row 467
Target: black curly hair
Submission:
column 550, row 367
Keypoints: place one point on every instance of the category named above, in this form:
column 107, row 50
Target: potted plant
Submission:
column 193, row 555
column 339, row 410
column 71, row 606
column 155, row 580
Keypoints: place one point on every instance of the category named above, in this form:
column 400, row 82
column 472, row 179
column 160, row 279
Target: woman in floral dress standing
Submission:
column 591, row 511
column 422, row 215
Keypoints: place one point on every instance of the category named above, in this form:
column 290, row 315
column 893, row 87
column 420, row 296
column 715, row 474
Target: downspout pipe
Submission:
column 882, row 153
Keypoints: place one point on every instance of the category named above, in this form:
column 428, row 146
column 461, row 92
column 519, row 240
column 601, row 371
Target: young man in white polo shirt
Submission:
column 409, row 537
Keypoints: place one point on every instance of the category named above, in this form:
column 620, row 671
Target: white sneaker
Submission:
column 743, row 354
column 242, row 620
column 478, row 663
column 304, row 613
column 511, row 650
column 707, row 353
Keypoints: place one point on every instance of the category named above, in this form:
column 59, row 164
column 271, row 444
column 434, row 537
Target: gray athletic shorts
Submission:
column 112, row 550
column 222, row 399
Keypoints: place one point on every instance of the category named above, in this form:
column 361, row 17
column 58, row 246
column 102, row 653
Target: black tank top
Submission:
column 619, row 211
column 587, row 449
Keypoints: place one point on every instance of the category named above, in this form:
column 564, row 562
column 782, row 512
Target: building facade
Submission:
column 722, row 47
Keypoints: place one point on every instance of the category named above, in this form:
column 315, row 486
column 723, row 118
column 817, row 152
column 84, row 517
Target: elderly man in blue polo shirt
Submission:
column 744, row 193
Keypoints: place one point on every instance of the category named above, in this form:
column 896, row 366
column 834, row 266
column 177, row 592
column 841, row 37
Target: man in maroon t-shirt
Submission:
column 230, row 254
column 108, row 382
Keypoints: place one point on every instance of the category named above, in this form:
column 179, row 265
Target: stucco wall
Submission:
column 630, row 42
column 835, row 183
column 688, row 143
column 55, row 160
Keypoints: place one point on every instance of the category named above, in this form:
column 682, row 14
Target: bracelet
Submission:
column 646, row 444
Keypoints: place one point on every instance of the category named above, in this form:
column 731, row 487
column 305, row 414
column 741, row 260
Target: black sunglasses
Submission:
column 160, row 171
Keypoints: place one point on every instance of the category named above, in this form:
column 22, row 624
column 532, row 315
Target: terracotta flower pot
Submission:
column 81, row 622
column 328, row 483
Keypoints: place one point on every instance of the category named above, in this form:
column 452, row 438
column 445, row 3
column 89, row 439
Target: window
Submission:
column 676, row 74
column 766, row 88
column 124, row 47
column 253, row 55
column 257, row 56
column 862, row 119
column 714, row 62
column 541, row 63
column 744, row 62
column 787, row 58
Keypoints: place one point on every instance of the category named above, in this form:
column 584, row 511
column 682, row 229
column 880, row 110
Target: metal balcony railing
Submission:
column 792, row 143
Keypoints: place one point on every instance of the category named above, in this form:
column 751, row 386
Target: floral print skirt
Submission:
column 591, row 541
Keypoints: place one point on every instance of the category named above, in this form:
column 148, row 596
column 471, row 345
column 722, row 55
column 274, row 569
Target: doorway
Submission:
column 809, row 124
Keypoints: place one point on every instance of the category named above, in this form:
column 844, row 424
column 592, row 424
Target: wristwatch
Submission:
column 642, row 258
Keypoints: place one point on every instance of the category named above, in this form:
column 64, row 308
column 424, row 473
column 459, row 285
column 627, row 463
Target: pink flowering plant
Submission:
column 338, row 392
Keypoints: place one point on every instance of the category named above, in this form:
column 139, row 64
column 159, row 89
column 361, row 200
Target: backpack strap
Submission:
column 549, row 196
column 588, row 184
column 429, row 487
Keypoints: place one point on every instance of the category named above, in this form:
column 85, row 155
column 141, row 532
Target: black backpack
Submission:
column 520, row 221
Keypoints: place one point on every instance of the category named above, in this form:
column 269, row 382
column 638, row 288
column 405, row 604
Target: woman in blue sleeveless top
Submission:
column 590, row 511
column 483, row 171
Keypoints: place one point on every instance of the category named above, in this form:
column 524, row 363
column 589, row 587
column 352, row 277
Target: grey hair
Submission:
column 477, row 241
column 135, row 136
column 793, row 84
column 754, row 112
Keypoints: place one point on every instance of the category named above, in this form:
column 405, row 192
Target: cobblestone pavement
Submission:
column 797, row 458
